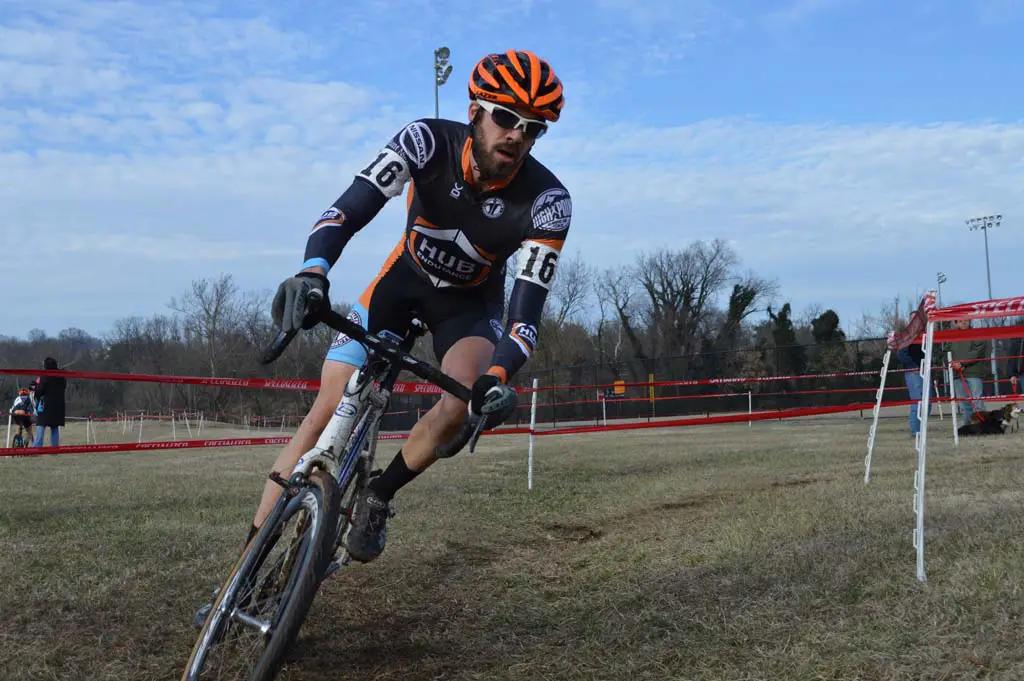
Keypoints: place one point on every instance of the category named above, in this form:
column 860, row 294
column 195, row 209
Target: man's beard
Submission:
column 491, row 165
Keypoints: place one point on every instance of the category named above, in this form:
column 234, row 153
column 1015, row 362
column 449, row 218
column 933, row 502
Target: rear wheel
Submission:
column 260, row 608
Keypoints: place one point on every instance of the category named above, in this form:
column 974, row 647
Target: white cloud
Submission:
column 999, row 13
column 796, row 12
column 167, row 141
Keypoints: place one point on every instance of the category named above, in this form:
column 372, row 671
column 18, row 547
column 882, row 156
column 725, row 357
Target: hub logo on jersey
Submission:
column 552, row 210
column 493, row 207
column 448, row 257
column 525, row 336
column 418, row 143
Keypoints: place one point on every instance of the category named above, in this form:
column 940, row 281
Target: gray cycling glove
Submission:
column 298, row 300
column 492, row 400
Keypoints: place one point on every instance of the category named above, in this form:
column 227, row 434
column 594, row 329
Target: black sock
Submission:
column 394, row 478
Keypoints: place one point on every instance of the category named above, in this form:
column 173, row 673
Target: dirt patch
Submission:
column 572, row 533
column 681, row 505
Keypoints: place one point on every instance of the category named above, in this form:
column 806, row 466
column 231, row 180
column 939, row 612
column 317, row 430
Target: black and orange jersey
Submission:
column 457, row 234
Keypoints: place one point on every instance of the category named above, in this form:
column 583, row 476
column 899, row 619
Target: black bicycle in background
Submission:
column 258, row 611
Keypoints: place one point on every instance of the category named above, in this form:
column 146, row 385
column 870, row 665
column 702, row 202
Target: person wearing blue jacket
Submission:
column 910, row 358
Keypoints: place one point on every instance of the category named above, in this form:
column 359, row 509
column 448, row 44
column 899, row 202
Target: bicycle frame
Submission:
column 363, row 403
column 356, row 418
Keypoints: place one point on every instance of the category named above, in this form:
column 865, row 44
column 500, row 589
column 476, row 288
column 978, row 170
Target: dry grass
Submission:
column 712, row 553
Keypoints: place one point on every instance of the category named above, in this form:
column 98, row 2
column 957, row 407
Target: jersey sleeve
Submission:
column 536, row 264
column 402, row 159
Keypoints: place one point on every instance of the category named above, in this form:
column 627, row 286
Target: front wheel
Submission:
column 258, row 611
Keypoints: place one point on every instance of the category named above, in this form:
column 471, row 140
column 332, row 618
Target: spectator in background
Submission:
column 49, row 404
column 968, row 368
column 910, row 358
column 1016, row 366
column 21, row 412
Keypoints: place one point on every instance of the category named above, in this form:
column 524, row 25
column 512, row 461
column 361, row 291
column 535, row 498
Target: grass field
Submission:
column 712, row 553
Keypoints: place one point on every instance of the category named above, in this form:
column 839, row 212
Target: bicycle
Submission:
column 319, row 496
column 19, row 440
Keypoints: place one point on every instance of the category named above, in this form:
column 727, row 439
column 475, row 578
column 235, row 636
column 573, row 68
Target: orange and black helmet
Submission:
column 23, row 392
column 518, row 78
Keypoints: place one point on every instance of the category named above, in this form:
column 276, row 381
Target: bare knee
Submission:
column 465, row 362
column 452, row 413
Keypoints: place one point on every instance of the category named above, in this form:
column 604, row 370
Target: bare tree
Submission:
column 681, row 286
column 809, row 314
column 210, row 315
column 604, row 324
column 892, row 315
column 570, row 290
column 617, row 285
column 750, row 295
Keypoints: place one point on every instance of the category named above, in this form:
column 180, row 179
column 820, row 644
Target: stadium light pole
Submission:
column 985, row 223
column 442, row 69
column 941, row 278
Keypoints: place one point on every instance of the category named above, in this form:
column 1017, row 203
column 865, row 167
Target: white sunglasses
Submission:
column 510, row 120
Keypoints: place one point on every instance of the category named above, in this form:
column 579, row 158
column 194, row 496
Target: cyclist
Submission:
column 21, row 414
column 476, row 197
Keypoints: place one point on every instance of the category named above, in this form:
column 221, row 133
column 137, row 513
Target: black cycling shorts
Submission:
column 399, row 293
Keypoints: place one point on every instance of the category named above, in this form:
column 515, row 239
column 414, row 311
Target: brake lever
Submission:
column 475, row 435
column 277, row 347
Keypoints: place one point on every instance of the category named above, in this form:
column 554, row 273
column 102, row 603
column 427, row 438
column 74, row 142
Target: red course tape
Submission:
column 248, row 442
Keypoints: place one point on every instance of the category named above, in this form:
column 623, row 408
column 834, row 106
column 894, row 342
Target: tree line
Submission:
column 692, row 312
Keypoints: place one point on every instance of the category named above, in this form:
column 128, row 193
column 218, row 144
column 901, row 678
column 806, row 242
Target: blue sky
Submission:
column 839, row 145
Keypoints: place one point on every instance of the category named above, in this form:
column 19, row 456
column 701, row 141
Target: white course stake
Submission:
column 141, row 416
column 954, row 405
column 750, row 406
column 921, row 445
column 874, row 414
column 533, row 424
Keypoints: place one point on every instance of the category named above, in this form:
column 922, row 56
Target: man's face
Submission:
column 497, row 151
column 963, row 323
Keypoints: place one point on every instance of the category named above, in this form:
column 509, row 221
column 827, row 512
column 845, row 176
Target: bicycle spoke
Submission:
column 252, row 620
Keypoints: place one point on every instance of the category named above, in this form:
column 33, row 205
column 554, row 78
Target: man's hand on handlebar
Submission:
column 299, row 300
column 492, row 400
